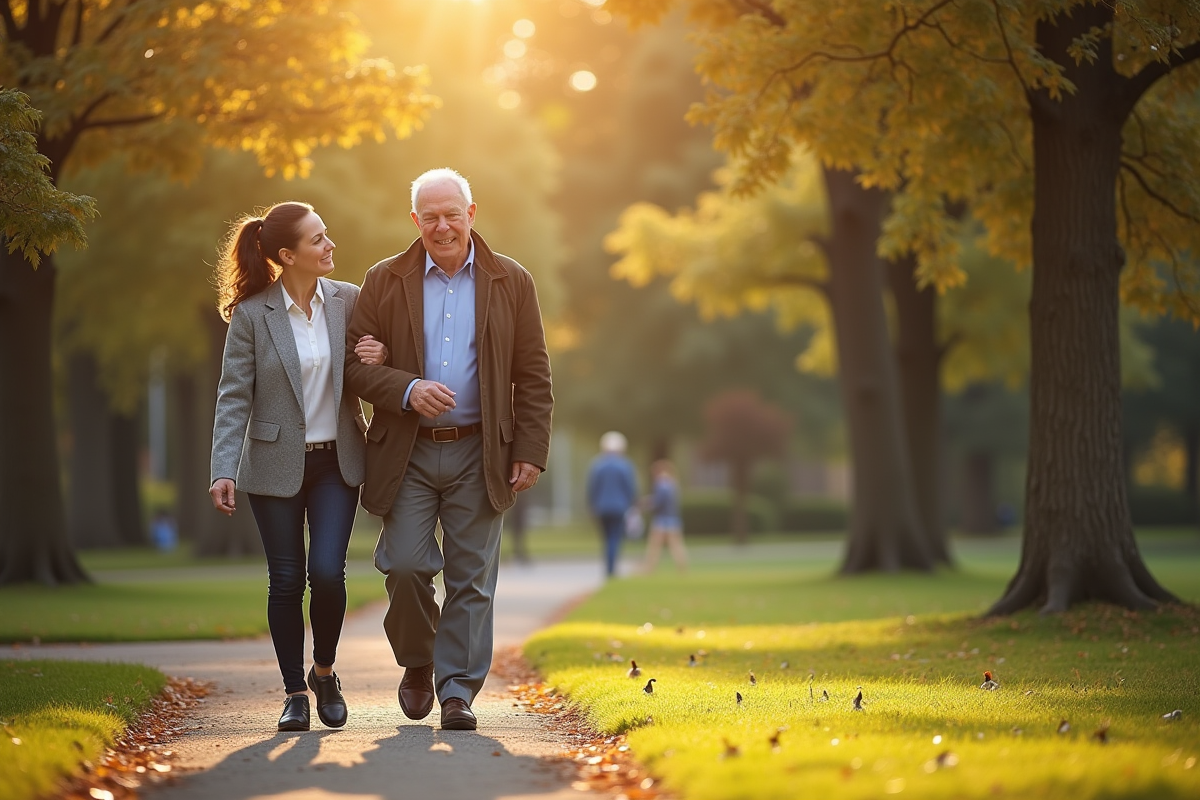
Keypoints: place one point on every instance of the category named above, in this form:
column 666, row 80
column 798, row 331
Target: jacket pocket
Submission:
column 375, row 432
column 263, row 431
column 506, row 430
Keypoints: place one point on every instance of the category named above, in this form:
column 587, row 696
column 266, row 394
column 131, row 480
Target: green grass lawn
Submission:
column 55, row 714
column 917, row 648
column 202, row 605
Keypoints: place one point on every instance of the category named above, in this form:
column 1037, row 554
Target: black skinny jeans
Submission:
column 329, row 505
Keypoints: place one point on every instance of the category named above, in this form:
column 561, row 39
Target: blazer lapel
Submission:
column 285, row 341
column 414, row 293
column 335, row 321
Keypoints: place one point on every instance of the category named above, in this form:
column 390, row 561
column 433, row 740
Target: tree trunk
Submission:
column 920, row 360
column 127, row 495
column 885, row 533
column 978, row 498
column 740, row 478
column 1078, row 542
column 91, row 514
column 1191, row 449
column 214, row 533
column 33, row 539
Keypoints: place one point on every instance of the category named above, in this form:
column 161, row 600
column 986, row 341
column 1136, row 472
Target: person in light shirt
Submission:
column 289, row 435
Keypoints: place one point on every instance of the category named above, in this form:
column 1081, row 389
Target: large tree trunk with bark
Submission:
column 919, row 354
column 1191, row 449
column 212, row 533
column 978, row 495
column 885, row 532
column 91, row 512
column 33, row 538
column 127, row 496
column 1078, row 541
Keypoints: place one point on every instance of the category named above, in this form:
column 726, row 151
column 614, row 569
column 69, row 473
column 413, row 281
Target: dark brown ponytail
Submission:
column 249, row 254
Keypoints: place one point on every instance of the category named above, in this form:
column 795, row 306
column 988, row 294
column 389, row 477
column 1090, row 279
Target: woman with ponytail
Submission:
column 288, row 436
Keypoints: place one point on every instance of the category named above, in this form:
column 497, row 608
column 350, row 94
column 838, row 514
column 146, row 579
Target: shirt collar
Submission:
column 469, row 266
column 289, row 303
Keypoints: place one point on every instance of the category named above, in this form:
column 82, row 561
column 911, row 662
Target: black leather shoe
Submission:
column 416, row 691
column 295, row 713
column 331, row 706
column 457, row 715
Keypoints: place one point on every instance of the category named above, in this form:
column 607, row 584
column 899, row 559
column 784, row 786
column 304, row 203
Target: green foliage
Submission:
column 919, row 669
column 35, row 217
column 159, row 79
column 931, row 100
column 59, row 713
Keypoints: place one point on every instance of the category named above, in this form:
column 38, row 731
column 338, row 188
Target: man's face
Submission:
column 444, row 218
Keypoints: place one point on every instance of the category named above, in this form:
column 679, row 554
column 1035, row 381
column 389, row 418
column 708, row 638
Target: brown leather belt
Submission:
column 449, row 433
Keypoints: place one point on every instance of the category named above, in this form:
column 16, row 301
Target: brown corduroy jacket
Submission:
column 514, row 369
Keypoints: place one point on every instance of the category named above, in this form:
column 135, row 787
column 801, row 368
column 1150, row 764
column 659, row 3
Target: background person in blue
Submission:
column 611, row 491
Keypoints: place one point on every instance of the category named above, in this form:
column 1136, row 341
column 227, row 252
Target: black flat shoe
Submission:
column 295, row 713
column 331, row 706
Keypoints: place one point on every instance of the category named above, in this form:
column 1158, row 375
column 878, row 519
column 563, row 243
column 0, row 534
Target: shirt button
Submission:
column 445, row 363
column 451, row 291
column 447, row 316
column 447, row 338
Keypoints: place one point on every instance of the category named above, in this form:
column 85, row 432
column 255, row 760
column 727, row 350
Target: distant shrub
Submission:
column 813, row 514
column 1158, row 505
column 711, row 513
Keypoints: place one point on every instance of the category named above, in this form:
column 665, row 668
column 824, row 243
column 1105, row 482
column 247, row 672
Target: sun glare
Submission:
column 524, row 28
column 514, row 48
column 582, row 80
column 509, row 99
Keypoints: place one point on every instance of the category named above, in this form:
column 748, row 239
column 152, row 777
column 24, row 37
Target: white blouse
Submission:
column 316, row 368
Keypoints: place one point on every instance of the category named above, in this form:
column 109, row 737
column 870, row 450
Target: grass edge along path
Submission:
column 203, row 608
column 927, row 729
column 58, row 715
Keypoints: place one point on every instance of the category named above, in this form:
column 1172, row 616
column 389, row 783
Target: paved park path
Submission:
column 236, row 754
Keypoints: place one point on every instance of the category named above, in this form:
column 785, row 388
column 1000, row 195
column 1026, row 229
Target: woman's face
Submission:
column 313, row 253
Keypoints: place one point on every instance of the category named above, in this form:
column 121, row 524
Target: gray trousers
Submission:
column 444, row 482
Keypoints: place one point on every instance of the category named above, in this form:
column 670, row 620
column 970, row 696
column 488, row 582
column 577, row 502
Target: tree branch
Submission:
column 77, row 39
column 885, row 53
column 1008, row 47
column 764, row 10
column 1133, row 87
column 121, row 122
column 118, row 18
column 1179, row 212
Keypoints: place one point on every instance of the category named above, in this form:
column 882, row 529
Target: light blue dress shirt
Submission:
column 451, row 357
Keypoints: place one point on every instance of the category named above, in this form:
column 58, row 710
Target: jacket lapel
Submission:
column 414, row 293
column 335, row 322
column 285, row 341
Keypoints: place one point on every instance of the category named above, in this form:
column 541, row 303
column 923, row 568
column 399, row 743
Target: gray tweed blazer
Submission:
column 258, row 435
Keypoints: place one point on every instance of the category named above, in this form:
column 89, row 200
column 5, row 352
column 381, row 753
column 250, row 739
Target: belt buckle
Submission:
column 451, row 430
column 308, row 447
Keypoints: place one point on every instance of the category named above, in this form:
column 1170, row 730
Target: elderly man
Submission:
column 461, row 423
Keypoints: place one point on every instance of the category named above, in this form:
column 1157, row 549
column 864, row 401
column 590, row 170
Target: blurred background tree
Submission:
column 741, row 430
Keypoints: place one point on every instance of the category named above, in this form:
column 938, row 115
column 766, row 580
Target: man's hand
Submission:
column 524, row 475
column 222, row 496
column 430, row 398
column 371, row 351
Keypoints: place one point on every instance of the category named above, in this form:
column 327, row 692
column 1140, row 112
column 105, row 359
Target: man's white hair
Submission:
column 437, row 176
column 613, row 442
